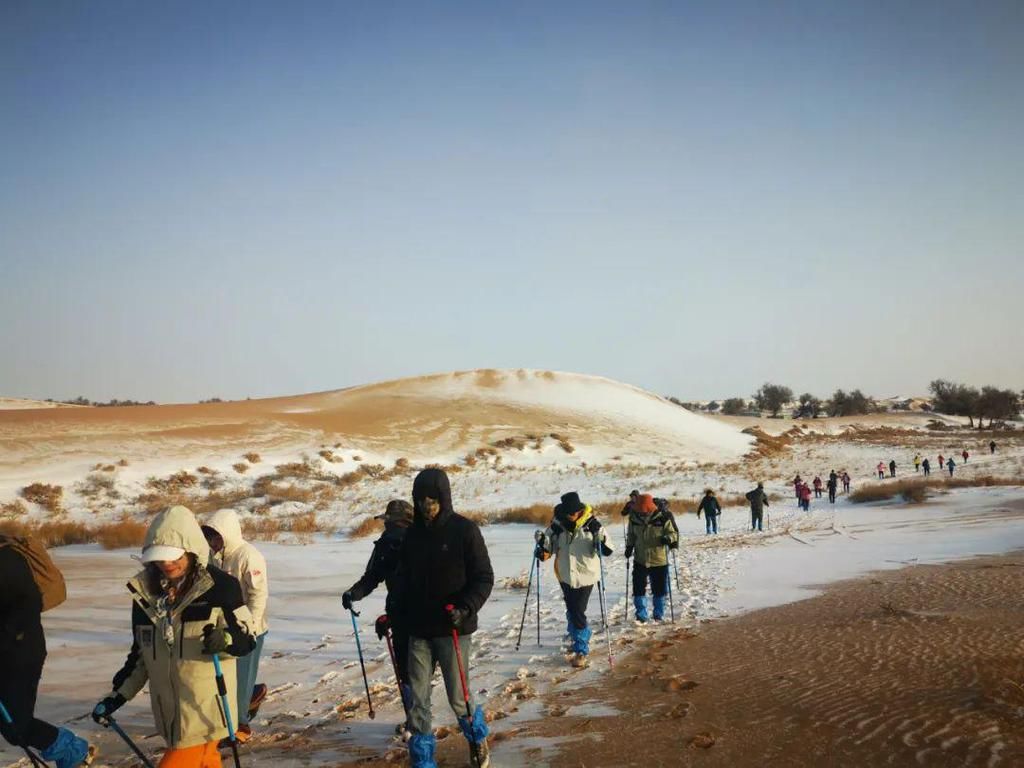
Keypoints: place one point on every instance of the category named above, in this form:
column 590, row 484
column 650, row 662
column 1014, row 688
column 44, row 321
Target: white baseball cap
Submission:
column 159, row 553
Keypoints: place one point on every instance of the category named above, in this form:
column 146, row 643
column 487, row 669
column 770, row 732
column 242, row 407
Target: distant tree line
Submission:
column 95, row 404
column 956, row 399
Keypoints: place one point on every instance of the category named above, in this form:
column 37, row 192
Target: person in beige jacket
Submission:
column 242, row 560
column 184, row 610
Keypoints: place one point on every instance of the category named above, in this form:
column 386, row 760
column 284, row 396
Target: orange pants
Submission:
column 199, row 756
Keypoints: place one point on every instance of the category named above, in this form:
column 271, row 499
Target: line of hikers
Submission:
column 923, row 465
column 802, row 490
column 199, row 622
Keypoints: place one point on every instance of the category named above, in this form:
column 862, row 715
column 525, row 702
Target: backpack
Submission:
column 48, row 578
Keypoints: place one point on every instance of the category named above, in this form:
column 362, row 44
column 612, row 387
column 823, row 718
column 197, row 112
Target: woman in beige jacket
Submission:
column 183, row 611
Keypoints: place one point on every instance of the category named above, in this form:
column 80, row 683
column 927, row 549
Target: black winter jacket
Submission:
column 383, row 566
column 441, row 562
column 21, row 606
column 758, row 500
column 709, row 506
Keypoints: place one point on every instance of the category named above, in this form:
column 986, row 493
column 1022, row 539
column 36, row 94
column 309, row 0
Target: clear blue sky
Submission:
column 242, row 198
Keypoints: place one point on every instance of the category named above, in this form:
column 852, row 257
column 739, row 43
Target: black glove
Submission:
column 666, row 540
column 215, row 640
column 346, row 600
column 382, row 625
column 107, row 707
column 592, row 526
column 539, row 552
column 674, row 545
column 606, row 551
column 629, row 551
column 456, row 616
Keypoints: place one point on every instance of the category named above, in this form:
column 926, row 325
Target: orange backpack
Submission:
column 47, row 576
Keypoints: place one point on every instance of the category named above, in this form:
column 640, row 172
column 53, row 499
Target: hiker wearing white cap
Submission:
column 184, row 610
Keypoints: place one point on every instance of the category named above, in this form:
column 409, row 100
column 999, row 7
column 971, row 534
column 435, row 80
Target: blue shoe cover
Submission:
column 67, row 750
column 475, row 732
column 421, row 750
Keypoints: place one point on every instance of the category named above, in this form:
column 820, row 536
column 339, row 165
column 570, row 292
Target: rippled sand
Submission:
column 917, row 667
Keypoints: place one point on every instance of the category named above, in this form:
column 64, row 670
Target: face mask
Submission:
column 429, row 508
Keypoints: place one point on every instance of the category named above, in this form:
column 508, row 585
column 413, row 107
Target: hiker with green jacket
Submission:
column 22, row 654
column 184, row 610
column 758, row 501
column 712, row 509
column 651, row 533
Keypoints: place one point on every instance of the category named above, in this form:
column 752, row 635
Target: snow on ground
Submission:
column 310, row 660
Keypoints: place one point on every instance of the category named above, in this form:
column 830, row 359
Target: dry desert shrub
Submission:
column 175, row 483
column 470, row 460
column 535, row 514
column 518, row 443
column 48, row 497
column 241, row 468
column 402, row 464
column 124, row 533
column 368, row 527
column 13, row 509
column 357, row 457
column 566, row 446
column 916, row 490
column 204, row 470
column 96, row 485
column 252, row 457
column 277, row 493
column 328, row 455
column 303, row 470
column 261, row 528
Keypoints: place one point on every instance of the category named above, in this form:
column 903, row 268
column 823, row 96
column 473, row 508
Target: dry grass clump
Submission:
column 252, row 457
column 122, row 462
column 13, row 509
column 518, row 443
column 535, row 514
column 48, row 497
column 402, row 464
column 124, row 533
column 175, row 483
column 368, row 527
column 470, row 460
column 566, row 446
column 328, row 455
column 303, row 470
column 104, row 468
column 269, row 528
column 50, row 534
column 376, row 471
column 96, row 485
column 206, row 471
column 278, row 493
column 357, row 457
column 240, row 467
column 915, row 490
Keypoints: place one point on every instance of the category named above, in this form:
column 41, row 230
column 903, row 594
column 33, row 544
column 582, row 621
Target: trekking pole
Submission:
column 362, row 663
column 675, row 567
column 534, row 563
column 538, row 603
column 398, row 677
column 222, row 689
column 600, row 594
column 107, row 721
column 465, row 691
column 32, row 756
column 625, row 611
column 671, row 604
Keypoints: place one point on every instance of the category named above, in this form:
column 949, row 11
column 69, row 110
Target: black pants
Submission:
column 576, row 600
column 658, row 575
column 400, row 639
column 756, row 518
column 817, row 493
column 19, row 683
column 832, row 495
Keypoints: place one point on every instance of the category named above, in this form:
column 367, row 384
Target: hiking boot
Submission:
column 259, row 693
column 242, row 735
column 579, row 660
column 69, row 750
column 485, row 755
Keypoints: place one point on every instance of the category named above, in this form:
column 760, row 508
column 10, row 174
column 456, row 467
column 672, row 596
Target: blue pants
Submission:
column 246, row 670
column 711, row 523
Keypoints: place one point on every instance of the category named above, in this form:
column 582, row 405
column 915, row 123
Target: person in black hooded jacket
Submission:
column 22, row 655
column 443, row 562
